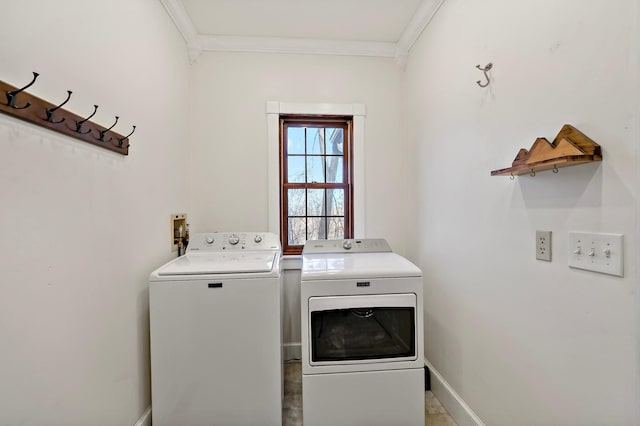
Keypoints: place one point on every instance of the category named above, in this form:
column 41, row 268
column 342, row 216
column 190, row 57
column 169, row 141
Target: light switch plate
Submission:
column 596, row 252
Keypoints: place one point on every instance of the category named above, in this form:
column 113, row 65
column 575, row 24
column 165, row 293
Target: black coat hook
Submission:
column 484, row 70
column 102, row 132
column 50, row 111
column 120, row 141
column 81, row 122
column 11, row 96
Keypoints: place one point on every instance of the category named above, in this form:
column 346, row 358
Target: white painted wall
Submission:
column 82, row 227
column 229, row 133
column 526, row 342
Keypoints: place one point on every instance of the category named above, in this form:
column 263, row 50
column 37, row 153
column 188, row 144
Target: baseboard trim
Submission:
column 457, row 408
column 291, row 351
column 145, row 419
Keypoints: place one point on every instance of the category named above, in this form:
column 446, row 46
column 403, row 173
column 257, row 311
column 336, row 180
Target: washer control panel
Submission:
column 233, row 241
column 367, row 245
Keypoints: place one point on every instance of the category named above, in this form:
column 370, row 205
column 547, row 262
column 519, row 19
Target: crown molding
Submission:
column 425, row 13
column 180, row 17
column 295, row 45
column 197, row 43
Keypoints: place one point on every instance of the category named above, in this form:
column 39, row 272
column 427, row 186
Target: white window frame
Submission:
column 274, row 109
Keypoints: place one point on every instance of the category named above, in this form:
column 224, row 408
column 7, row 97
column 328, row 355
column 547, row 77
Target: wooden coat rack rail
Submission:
column 571, row 147
column 25, row 106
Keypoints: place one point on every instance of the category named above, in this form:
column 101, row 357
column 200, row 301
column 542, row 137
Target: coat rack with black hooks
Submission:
column 25, row 106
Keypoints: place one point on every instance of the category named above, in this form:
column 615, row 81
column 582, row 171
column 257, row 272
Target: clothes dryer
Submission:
column 362, row 335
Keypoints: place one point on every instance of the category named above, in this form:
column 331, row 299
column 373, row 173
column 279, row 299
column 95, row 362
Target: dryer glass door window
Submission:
column 361, row 331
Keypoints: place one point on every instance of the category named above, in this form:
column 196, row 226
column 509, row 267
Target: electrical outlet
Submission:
column 543, row 245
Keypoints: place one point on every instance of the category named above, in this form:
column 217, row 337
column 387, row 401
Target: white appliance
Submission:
column 215, row 333
column 362, row 335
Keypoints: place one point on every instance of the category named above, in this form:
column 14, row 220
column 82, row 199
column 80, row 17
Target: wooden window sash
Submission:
column 346, row 123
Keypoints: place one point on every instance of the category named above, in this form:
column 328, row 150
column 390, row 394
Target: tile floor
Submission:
column 435, row 414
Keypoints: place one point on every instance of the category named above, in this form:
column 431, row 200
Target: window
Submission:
column 315, row 179
column 277, row 109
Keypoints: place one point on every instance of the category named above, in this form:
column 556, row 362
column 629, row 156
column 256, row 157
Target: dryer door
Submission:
column 362, row 329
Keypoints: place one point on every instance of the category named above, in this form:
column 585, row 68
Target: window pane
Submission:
column 334, row 142
column 315, row 169
column 296, row 202
column 315, row 140
column 336, row 228
column 316, row 228
column 335, row 202
column 316, row 202
column 297, row 231
column 295, row 140
column 295, row 168
column 335, row 169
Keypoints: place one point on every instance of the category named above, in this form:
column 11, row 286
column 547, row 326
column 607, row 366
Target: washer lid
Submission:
column 219, row 263
column 331, row 266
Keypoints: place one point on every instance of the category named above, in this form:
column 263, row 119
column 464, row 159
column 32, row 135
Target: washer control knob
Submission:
column 209, row 240
column 346, row 245
column 233, row 239
column 257, row 239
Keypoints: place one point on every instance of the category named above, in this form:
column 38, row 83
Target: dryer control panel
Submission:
column 233, row 241
column 366, row 245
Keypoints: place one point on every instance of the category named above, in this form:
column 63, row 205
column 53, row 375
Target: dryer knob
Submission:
column 209, row 240
column 346, row 245
column 233, row 239
column 257, row 239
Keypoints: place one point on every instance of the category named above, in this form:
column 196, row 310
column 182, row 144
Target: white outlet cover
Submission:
column 543, row 245
column 596, row 252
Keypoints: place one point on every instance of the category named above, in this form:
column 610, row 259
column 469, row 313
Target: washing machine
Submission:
column 362, row 335
column 215, row 327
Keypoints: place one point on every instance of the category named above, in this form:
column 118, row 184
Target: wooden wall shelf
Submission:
column 570, row 148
